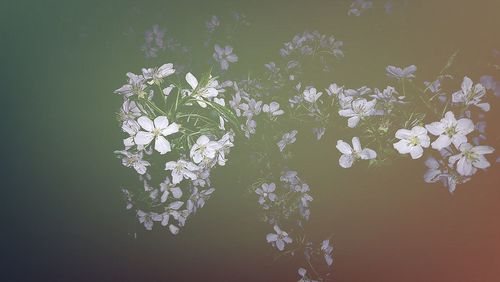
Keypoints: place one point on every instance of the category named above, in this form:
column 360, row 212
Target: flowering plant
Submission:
column 179, row 127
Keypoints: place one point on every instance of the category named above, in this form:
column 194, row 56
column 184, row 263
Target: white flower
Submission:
column 182, row 169
column 172, row 210
column 334, row 90
column 349, row 155
column 288, row 138
column 157, row 130
column 471, row 158
column 156, row 75
column 148, row 218
column 399, row 73
column 438, row 171
column 412, row 141
column 387, row 95
column 279, row 239
column 129, row 110
column 212, row 24
column 204, row 148
column 471, row 94
column 311, row 95
column 168, row 188
column 303, row 273
column 450, row 131
column 131, row 127
column 358, row 109
column 327, row 250
column 249, row 127
column 358, row 6
column 266, row 191
column 134, row 160
column 251, row 108
column 135, row 86
column 198, row 198
column 202, row 92
column 224, row 56
column 273, row 109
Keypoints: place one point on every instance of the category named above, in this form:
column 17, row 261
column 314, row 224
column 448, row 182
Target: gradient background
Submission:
column 63, row 213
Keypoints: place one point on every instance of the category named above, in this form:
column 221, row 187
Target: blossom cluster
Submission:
column 181, row 136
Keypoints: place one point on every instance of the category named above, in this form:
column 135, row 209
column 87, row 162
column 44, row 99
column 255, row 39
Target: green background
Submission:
column 64, row 215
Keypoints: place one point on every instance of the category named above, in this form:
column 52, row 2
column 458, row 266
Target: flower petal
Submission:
column 146, row 123
column 162, row 145
column 346, row 161
column 143, row 138
column 343, row 147
column 160, row 122
column 191, row 80
column 443, row 141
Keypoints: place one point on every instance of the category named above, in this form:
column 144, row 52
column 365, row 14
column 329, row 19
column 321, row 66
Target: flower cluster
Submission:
column 184, row 134
column 181, row 126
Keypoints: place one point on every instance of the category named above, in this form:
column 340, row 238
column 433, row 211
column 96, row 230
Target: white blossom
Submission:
column 288, row 138
column 156, row 130
column 266, row 192
column 168, row 188
column 181, row 169
column 134, row 160
column 279, row 239
column 406, row 73
column 412, row 141
column 351, row 154
column 358, row 109
column 204, row 148
column 135, row 86
column 311, row 95
column 471, row 94
column 224, row 56
column 156, row 75
column 129, row 110
column 273, row 109
column 202, row 92
column 450, row 131
column 327, row 250
column 471, row 158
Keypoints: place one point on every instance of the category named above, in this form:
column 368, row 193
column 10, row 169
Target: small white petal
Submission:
column 146, row 123
column 162, row 145
column 143, row 138
column 191, row 80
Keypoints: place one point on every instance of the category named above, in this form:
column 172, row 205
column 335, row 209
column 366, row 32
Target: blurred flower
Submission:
column 327, row 250
column 224, row 56
column 273, row 109
column 279, row 239
column 406, row 73
column 288, row 138
column 266, row 192
column 212, row 24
